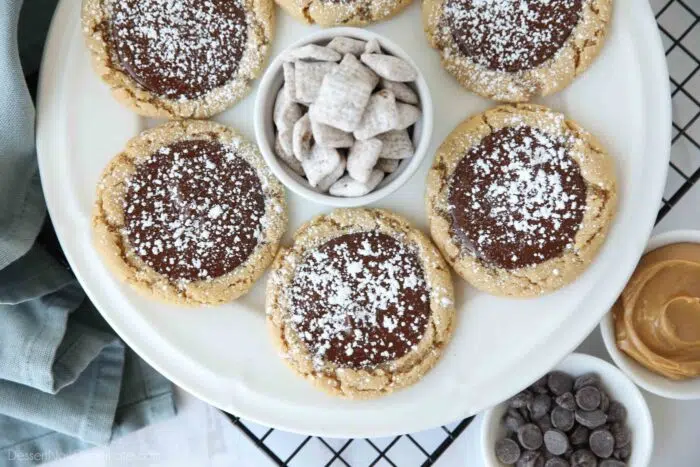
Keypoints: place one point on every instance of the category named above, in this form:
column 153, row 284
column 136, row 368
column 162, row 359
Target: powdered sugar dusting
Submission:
column 359, row 300
column 511, row 35
column 178, row 49
column 518, row 199
column 194, row 210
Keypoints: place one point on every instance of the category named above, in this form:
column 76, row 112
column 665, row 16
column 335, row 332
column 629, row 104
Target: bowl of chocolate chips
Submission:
column 343, row 117
column 583, row 413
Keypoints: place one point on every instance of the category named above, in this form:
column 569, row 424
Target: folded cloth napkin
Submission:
column 67, row 382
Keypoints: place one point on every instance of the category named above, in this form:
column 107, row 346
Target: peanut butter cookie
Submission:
column 361, row 304
column 178, row 58
column 189, row 213
column 514, row 50
column 520, row 199
column 342, row 12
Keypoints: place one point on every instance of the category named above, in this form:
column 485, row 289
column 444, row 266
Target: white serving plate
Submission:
column 223, row 354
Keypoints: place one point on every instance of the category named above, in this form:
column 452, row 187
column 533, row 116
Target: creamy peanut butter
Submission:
column 657, row 317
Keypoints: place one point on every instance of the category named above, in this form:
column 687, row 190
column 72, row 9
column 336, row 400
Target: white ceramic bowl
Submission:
column 652, row 382
column 617, row 385
column 265, row 131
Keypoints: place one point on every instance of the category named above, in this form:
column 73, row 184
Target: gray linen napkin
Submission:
column 67, row 382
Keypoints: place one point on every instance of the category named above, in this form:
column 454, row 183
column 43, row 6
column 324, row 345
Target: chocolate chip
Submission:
column 589, row 379
column 507, row 451
column 612, row 463
column 617, row 412
column 604, row 401
column 562, row 419
column 525, row 414
column 592, row 419
column 566, row 401
column 579, row 436
column 623, row 453
column 539, row 406
column 544, row 423
column 560, row 382
column 513, row 420
column 512, row 424
column 530, row 436
column 568, row 453
column 521, row 399
column 530, row 459
column 621, row 434
column 540, row 386
column 602, row 443
column 556, row 462
column 583, row 458
column 588, row 398
column 556, row 442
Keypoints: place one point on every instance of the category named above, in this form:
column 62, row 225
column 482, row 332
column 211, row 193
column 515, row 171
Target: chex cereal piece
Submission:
column 320, row 163
column 308, row 77
column 390, row 67
column 302, row 138
column 286, row 112
column 407, row 115
column 396, row 145
column 380, row 115
column 347, row 45
column 348, row 187
column 352, row 67
column 362, row 158
column 344, row 95
column 313, row 52
column 283, row 150
column 333, row 177
column 290, row 86
column 387, row 165
column 373, row 47
column 285, row 139
column 330, row 137
column 402, row 91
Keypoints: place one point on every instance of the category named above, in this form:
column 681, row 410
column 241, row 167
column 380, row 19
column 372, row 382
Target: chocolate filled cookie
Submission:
column 361, row 304
column 520, row 199
column 514, row 50
column 342, row 12
column 178, row 58
column 189, row 213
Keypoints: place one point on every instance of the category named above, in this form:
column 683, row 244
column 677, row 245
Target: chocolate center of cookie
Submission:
column 511, row 35
column 194, row 210
column 517, row 199
column 178, row 48
column 359, row 300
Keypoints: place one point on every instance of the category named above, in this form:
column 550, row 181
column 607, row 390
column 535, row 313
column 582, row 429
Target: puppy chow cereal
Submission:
column 345, row 115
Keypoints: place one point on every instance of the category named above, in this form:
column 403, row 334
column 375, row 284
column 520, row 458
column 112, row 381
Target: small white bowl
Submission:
column 265, row 131
column 652, row 382
column 616, row 384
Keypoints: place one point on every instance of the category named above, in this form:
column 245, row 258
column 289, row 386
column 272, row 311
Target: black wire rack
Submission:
column 679, row 23
column 367, row 452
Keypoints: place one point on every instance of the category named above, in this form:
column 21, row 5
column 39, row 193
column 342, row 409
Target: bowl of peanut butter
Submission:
column 652, row 331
